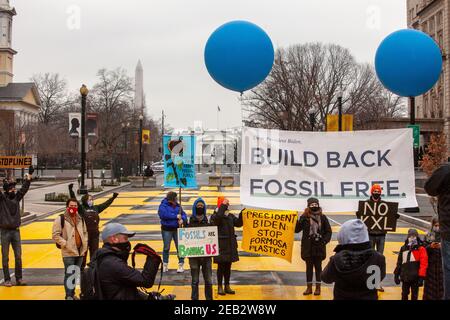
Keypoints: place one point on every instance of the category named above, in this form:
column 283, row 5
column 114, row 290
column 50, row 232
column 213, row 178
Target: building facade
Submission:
column 433, row 18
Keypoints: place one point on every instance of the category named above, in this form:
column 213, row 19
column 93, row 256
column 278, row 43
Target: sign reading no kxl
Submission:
column 15, row 162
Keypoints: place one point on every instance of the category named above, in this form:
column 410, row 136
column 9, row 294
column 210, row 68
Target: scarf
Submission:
column 315, row 223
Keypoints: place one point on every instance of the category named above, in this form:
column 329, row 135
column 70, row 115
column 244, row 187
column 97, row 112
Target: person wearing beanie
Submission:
column 316, row 235
column 412, row 265
column 172, row 217
column 228, row 245
column 353, row 264
column 434, row 282
column 91, row 216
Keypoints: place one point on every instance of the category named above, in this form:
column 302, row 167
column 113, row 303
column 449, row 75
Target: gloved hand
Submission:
column 71, row 186
column 31, row 170
column 145, row 249
column 420, row 282
column 115, row 195
column 397, row 279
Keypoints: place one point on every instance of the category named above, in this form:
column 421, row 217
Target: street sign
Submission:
column 416, row 134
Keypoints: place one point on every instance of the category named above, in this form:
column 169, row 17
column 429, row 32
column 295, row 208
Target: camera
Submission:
column 158, row 296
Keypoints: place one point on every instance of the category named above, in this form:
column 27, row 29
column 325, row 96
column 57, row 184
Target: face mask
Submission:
column 123, row 247
column 200, row 211
column 90, row 203
column 376, row 196
column 72, row 211
column 314, row 209
column 412, row 241
column 436, row 229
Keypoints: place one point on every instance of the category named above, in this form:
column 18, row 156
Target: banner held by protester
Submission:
column 269, row 232
column 198, row 242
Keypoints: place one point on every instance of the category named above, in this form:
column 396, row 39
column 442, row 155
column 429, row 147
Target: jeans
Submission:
column 206, row 265
column 377, row 243
column 167, row 240
column 11, row 237
column 71, row 276
column 445, row 250
column 412, row 287
column 311, row 264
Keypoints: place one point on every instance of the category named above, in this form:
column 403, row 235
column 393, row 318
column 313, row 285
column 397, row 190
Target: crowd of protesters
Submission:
column 421, row 262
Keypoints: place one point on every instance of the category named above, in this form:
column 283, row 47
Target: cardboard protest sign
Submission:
column 198, row 242
column 15, row 162
column 269, row 232
column 378, row 216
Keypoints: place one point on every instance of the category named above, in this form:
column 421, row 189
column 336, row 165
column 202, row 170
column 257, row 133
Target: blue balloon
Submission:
column 408, row 63
column 239, row 55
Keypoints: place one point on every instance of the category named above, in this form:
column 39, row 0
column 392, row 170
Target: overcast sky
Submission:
column 169, row 37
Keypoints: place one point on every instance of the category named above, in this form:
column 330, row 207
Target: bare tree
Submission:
column 310, row 77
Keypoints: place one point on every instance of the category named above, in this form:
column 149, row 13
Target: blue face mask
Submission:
column 90, row 203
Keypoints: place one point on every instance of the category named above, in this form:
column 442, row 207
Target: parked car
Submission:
column 158, row 166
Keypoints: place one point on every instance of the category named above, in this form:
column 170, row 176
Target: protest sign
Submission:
column 179, row 162
column 269, row 232
column 282, row 169
column 15, row 162
column 378, row 216
column 198, row 242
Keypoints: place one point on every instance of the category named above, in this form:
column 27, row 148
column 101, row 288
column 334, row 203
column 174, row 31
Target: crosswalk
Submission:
column 254, row 277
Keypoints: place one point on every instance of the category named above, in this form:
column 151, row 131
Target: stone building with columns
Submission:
column 19, row 102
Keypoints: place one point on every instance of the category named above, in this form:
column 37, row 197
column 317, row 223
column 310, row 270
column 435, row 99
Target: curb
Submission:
column 32, row 217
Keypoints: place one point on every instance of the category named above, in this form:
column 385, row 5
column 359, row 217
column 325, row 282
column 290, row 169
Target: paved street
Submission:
column 253, row 277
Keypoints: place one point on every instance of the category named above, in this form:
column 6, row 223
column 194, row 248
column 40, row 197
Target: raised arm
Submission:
column 102, row 207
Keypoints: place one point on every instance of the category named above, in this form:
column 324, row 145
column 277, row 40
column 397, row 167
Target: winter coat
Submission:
column 412, row 263
column 118, row 280
column 10, row 218
column 438, row 185
column 434, row 282
column 66, row 237
column 349, row 271
column 309, row 247
column 91, row 215
column 228, row 246
column 168, row 215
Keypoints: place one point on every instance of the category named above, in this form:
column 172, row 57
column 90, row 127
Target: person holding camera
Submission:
column 10, row 221
column 316, row 235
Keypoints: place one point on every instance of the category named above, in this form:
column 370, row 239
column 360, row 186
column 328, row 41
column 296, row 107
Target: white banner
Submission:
column 282, row 169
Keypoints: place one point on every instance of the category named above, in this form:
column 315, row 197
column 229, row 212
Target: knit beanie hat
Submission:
column 312, row 200
column 376, row 187
column 353, row 232
column 413, row 233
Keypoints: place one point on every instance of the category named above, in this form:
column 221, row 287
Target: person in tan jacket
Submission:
column 71, row 236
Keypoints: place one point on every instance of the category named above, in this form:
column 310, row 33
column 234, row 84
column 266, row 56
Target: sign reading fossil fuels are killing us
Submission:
column 379, row 216
column 269, row 232
column 198, row 242
column 282, row 169
column 179, row 162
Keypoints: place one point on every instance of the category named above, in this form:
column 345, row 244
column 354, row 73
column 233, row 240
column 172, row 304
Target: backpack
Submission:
column 90, row 282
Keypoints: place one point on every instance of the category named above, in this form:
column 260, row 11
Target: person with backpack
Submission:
column 10, row 221
column 172, row 217
column 354, row 263
column 412, row 265
column 71, row 236
column 117, row 280
column 316, row 235
column 198, row 219
column 228, row 246
column 91, row 216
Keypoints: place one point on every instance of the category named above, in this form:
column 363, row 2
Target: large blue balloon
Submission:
column 408, row 63
column 239, row 55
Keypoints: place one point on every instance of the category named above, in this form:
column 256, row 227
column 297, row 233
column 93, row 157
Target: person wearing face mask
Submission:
column 412, row 264
column 71, row 236
column 434, row 282
column 119, row 281
column 200, row 219
column 316, row 235
column 10, row 221
column 228, row 246
column 91, row 216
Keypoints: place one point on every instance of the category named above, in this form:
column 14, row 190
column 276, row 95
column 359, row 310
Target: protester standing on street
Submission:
column 438, row 185
column 71, row 236
column 228, row 246
column 316, row 235
column 91, row 215
column 378, row 237
column 412, row 264
column 172, row 217
column 198, row 219
column 434, row 283
column 10, row 221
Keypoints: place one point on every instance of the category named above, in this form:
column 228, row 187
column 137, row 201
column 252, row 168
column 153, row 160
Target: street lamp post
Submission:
column 84, row 92
column 312, row 118
column 340, row 95
column 141, row 120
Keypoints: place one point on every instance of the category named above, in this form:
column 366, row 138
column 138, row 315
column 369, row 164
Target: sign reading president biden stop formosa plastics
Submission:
column 269, row 232
column 282, row 169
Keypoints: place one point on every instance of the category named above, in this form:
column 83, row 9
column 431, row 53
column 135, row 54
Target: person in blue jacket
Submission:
column 172, row 217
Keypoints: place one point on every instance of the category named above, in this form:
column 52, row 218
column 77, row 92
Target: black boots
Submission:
column 220, row 290
column 317, row 292
column 228, row 290
column 308, row 290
